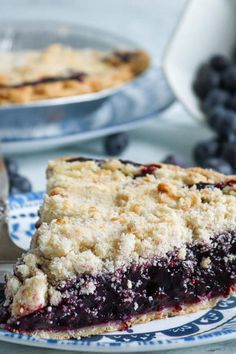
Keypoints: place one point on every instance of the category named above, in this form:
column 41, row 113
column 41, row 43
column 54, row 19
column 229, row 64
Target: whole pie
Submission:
column 60, row 71
column 119, row 243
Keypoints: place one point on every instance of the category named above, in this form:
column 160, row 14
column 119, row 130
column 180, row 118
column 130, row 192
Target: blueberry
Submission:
column 228, row 126
column 206, row 80
column 231, row 103
column 229, row 138
column 228, row 79
column 215, row 117
column 11, row 166
column 219, row 165
column 174, row 160
column 222, row 120
column 19, row 184
column 219, row 62
column 229, row 153
column 205, row 150
column 215, row 97
column 116, row 143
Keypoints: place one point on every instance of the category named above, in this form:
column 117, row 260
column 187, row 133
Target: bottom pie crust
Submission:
column 120, row 326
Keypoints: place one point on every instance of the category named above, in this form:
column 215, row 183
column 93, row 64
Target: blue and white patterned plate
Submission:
column 215, row 325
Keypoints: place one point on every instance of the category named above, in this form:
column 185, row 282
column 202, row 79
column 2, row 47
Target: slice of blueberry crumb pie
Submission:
column 119, row 243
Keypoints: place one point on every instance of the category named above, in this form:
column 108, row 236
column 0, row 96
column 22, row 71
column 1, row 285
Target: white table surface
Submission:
column 150, row 22
column 149, row 143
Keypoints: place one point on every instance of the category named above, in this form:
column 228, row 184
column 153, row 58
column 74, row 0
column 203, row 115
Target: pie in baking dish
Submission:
column 60, row 71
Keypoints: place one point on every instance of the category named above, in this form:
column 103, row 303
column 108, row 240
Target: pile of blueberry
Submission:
column 215, row 85
column 17, row 183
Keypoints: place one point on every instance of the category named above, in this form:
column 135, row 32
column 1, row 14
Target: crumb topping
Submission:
column 205, row 263
column 100, row 216
column 30, row 296
column 54, row 61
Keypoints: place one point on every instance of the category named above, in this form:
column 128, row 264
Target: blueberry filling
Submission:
column 206, row 272
column 144, row 169
column 147, row 170
column 220, row 185
column 100, row 161
column 79, row 76
column 84, row 159
column 126, row 56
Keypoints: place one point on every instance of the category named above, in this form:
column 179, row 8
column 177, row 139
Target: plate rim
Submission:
column 157, row 345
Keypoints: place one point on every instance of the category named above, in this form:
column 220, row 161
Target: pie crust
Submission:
column 60, row 71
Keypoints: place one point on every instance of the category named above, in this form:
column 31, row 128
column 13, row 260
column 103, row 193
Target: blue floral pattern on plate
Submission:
column 217, row 324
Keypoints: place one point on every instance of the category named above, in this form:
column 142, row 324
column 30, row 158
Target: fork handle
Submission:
column 9, row 252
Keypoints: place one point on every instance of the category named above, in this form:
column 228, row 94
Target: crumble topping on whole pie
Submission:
column 59, row 71
column 119, row 243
